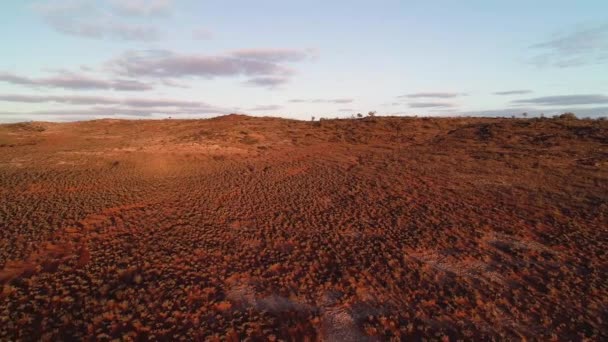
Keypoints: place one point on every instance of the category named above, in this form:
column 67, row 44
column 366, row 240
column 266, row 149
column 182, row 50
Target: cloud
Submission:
column 58, row 99
column 101, row 100
column 265, row 67
column 107, row 111
column 431, row 105
column 133, row 70
column 576, row 48
column 86, row 107
column 565, row 100
column 75, row 82
column 334, row 101
column 142, row 7
column 99, row 112
column 201, row 34
column 174, row 84
column 437, row 95
column 514, row 92
column 273, row 55
column 269, row 82
column 106, row 29
column 129, row 32
column 535, row 112
column 265, row 108
column 91, row 19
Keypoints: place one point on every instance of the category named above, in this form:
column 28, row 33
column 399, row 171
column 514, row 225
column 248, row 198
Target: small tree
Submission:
column 312, row 118
column 524, row 114
column 359, row 115
column 371, row 114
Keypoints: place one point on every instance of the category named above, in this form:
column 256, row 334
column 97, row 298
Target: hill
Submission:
column 269, row 228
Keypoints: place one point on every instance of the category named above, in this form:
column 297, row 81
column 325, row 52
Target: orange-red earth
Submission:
column 341, row 230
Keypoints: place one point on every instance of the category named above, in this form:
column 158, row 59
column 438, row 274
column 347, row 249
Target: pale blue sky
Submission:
column 80, row 59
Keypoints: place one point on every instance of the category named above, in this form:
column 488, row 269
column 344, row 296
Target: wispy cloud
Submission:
column 430, row 95
column 268, row 82
column 536, row 111
column 100, row 106
column 101, row 19
column 101, row 100
column 273, row 54
column 514, row 92
column 431, row 105
column 88, row 113
column 142, row 7
column 265, row 108
column 139, row 70
column 579, row 47
column 392, row 104
column 265, row 66
column 334, row 101
column 74, row 82
column 565, row 100
column 100, row 29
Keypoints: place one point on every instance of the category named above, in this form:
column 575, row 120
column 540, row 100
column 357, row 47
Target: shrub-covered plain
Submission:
column 257, row 228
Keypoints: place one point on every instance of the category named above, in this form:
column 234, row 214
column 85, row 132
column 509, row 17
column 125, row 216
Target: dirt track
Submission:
column 342, row 230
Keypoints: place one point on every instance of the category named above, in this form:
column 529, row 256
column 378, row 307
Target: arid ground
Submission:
column 341, row 230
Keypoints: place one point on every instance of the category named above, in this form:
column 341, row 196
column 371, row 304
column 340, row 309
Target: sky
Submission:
column 67, row 60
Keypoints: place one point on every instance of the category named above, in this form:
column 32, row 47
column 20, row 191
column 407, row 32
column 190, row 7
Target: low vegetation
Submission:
column 238, row 227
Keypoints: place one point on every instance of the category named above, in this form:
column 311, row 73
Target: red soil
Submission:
column 343, row 230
